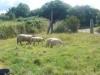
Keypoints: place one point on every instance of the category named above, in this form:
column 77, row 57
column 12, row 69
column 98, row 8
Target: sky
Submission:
column 33, row 4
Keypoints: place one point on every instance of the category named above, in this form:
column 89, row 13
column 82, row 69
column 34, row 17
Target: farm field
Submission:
column 80, row 55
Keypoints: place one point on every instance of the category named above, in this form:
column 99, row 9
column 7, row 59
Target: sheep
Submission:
column 24, row 38
column 53, row 41
column 37, row 39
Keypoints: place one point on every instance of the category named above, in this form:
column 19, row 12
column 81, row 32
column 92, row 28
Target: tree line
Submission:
column 60, row 11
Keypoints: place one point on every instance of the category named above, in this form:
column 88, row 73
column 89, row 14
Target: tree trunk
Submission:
column 91, row 26
column 48, row 30
column 50, row 27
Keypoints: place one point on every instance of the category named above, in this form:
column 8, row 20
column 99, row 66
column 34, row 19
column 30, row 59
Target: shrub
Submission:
column 12, row 28
column 70, row 24
column 35, row 26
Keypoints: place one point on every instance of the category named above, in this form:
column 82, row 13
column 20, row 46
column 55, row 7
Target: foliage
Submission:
column 59, row 13
column 98, row 18
column 84, row 13
column 70, row 24
column 25, row 25
column 22, row 10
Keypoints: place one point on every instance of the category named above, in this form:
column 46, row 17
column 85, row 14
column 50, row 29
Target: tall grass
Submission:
column 24, row 25
column 79, row 56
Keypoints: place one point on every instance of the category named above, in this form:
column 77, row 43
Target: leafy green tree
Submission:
column 84, row 13
column 12, row 13
column 22, row 10
column 58, row 8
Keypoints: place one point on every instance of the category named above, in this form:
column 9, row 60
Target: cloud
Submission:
column 33, row 4
column 6, row 4
column 92, row 3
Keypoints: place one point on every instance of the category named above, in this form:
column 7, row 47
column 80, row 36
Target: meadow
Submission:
column 80, row 55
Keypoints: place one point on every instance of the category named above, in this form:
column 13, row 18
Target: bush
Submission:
column 70, row 24
column 7, row 31
column 35, row 26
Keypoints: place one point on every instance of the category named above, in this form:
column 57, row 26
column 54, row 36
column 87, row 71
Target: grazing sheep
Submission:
column 37, row 39
column 24, row 38
column 53, row 41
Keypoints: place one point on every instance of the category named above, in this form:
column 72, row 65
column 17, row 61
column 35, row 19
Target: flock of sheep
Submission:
column 31, row 39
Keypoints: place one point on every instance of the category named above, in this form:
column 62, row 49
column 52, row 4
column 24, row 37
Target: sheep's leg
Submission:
column 30, row 42
column 27, row 43
column 42, row 43
column 38, row 42
column 51, row 46
column 20, row 43
column 17, row 42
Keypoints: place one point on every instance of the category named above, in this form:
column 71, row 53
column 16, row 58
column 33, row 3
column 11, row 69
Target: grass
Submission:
column 11, row 28
column 80, row 55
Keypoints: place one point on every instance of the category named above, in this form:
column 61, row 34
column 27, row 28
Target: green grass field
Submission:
column 80, row 55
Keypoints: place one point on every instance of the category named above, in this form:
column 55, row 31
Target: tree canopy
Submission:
column 60, row 11
column 22, row 10
column 84, row 13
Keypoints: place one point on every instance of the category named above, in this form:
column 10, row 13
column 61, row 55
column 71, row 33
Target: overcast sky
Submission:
column 33, row 4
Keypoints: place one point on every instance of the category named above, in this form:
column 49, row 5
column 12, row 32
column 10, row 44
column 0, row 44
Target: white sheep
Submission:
column 24, row 38
column 50, row 42
column 37, row 39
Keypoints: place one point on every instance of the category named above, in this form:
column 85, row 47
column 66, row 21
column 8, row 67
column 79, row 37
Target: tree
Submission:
column 91, row 26
column 50, row 27
column 58, row 7
column 22, row 10
column 54, row 10
column 11, row 13
column 84, row 13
